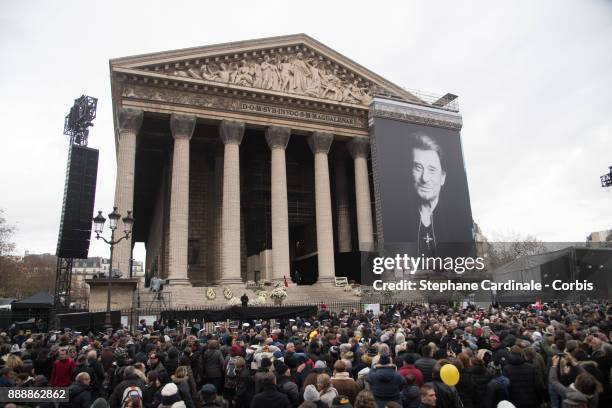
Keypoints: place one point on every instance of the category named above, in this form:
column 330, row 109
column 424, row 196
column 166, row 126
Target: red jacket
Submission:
column 411, row 369
column 61, row 376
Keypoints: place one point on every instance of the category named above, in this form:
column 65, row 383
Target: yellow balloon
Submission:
column 449, row 374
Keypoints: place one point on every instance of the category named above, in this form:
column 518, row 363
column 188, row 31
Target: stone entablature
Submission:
column 287, row 81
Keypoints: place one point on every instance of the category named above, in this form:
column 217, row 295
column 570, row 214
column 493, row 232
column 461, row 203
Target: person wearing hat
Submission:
column 286, row 384
column 208, row 393
column 264, row 368
column 385, row 382
column 170, row 397
column 341, row 401
column 500, row 353
column 311, row 394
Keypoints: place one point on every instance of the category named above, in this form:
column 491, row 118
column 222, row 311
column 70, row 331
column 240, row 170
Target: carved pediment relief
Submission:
column 289, row 73
column 293, row 65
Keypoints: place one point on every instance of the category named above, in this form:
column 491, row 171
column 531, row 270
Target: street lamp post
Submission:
column 99, row 220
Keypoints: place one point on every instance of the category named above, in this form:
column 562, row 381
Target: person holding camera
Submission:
column 582, row 392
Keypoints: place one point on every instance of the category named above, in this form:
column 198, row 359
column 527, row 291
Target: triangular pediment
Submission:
column 296, row 66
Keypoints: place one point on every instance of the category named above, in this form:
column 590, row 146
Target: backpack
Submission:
column 231, row 379
column 132, row 396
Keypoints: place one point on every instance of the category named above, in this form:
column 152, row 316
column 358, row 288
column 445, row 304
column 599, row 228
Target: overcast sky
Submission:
column 534, row 81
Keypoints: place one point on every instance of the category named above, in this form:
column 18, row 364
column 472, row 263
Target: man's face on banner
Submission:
column 428, row 176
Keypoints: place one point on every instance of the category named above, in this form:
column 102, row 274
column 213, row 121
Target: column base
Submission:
column 366, row 246
column 179, row 282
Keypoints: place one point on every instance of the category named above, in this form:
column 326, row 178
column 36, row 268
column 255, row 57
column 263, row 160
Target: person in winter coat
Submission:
column 63, row 368
column 480, row 378
column 498, row 387
column 152, row 387
column 326, row 391
column 170, row 397
column 155, row 363
column 131, row 379
column 286, row 385
column 181, row 379
column 245, row 388
column 80, row 392
column 211, row 365
column 385, row 382
column 426, row 363
column 172, row 361
column 410, row 369
column 264, row 368
column 343, row 382
column 411, row 395
column 465, row 387
column 270, row 397
column 526, row 388
column 583, row 392
column 43, row 364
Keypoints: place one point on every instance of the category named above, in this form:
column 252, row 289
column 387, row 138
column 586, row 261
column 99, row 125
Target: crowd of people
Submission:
column 555, row 355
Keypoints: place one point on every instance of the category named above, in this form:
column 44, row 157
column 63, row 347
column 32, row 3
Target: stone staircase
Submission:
column 193, row 297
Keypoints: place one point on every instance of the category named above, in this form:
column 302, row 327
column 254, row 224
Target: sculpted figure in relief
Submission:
column 256, row 70
column 270, row 74
column 286, row 73
column 301, row 73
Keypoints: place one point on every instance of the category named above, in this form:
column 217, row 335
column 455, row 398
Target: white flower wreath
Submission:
column 278, row 294
column 211, row 294
column 227, row 293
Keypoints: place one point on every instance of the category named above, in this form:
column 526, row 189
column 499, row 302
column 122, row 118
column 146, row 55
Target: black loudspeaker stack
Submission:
column 78, row 207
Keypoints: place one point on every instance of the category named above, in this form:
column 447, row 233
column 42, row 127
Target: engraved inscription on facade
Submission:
column 302, row 114
column 234, row 104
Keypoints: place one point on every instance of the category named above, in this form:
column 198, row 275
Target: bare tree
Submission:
column 7, row 246
column 511, row 246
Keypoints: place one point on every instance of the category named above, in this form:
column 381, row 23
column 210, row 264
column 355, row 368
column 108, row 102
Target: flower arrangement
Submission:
column 234, row 301
column 211, row 294
column 278, row 295
column 227, row 293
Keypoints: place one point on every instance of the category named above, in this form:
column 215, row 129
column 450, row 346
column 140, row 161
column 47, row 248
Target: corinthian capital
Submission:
column 130, row 119
column 320, row 142
column 231, row 132
column 182, row 126
column 359, row 147
column 278, row 137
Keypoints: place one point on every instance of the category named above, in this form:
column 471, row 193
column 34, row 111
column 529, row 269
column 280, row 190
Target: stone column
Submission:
column 130, row 121
column 231, row 135
column 278, row 138
column 359, row 149
column 343, row 214
column 182, row 129
column 319, row 144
